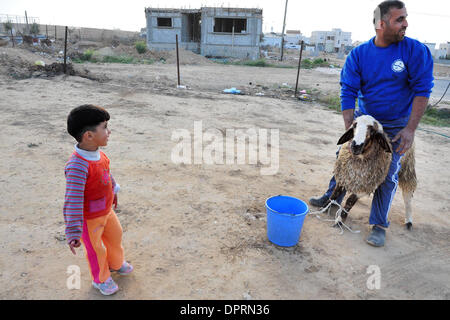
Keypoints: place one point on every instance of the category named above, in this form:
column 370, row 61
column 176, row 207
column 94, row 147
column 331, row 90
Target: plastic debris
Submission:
column 39, row 63
column 304, row 97
column 232, row 90
column 181, row 87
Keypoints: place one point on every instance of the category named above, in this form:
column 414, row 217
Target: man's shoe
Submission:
column 377, row 236
column 319, row 202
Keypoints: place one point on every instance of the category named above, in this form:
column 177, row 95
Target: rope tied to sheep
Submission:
column 337, row 218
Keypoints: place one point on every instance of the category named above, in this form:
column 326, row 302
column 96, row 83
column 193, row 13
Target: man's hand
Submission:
column 406, row 136
column 115, row 201
column 74, row 244
column 348, row 117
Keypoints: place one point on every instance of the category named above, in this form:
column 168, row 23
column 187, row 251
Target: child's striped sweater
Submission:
column 87, row 174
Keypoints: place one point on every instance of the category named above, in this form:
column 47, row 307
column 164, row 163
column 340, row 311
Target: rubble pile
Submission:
column 51, row 70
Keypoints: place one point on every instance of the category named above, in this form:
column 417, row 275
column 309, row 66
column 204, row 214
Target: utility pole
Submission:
column 178, row 60
column 298, row 69
column 65, row 52
column 282, row 33
column 26, row 18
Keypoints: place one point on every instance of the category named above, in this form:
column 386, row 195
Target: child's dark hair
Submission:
column 85, row 118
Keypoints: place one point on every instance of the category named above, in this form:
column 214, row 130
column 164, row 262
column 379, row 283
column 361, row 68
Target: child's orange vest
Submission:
column 98, row 192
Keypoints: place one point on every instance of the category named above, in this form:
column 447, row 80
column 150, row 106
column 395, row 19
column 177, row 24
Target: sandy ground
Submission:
column 199, row 231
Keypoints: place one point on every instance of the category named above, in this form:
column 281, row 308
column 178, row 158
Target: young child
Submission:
column 90, row 193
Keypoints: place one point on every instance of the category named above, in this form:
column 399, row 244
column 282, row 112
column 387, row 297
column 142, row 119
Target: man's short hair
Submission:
column 383, row 8
column 85, row 118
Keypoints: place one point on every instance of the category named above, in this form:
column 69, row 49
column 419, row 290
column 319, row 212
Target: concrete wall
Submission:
column 164, row 38
column 271, row 41
column 74, row 33
column 237, row 45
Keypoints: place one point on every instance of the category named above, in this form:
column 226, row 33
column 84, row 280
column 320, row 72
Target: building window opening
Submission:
column 226, row 25
column 165, row 22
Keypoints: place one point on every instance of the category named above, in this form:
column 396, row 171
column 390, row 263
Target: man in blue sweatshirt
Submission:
column 391, row 76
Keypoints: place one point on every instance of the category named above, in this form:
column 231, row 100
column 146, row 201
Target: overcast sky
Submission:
column 429, row 20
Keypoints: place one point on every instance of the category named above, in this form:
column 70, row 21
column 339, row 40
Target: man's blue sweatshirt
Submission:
column 386, row 80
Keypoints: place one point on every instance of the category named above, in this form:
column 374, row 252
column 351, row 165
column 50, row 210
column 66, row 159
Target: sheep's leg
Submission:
column 407, row 197
column 338, row 190
column 349, row 203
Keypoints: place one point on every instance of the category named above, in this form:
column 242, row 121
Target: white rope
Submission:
column 337, row 219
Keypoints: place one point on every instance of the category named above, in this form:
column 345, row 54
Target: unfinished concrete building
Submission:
column 209, row 31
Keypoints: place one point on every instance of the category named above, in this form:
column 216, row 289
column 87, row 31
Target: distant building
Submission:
column 332, row 41
column 432, row 47
column 292, row 39
column 143, row 33
column 210, row 31
column 444, row 51
column 271, row 39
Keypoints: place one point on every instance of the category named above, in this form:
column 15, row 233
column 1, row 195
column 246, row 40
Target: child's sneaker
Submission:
column 125, row 269
column 106, row 288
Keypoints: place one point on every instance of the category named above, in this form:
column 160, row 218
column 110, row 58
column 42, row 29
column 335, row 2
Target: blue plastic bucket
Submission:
column 285, row 217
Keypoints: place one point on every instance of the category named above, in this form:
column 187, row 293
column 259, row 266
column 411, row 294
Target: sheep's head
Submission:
column 363, row 132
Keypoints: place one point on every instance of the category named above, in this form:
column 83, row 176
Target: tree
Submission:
column 8, row 26
column 34, row 28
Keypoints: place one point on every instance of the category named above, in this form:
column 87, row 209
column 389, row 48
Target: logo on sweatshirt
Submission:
column 398, row 66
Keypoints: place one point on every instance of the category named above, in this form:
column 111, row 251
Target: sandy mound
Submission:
column 187, row 57
column 16, row 62
column 20, row 63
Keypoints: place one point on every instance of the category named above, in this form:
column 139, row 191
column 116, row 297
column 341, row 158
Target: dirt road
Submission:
column 198, row 231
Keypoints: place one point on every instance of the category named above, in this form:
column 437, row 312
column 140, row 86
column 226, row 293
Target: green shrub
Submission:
column 306, row 64
column 318, row 61
column 256, row 63
column 147, row 61
column 437, row 117
column 141, row 46
column 119, row 59
column 87, row 55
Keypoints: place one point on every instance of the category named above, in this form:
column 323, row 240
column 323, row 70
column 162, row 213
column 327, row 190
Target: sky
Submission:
column 429, row 20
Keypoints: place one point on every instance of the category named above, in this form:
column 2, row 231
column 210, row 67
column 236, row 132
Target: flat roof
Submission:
column 226, row 9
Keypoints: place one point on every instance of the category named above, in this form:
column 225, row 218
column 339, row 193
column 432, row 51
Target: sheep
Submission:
column 363, row 164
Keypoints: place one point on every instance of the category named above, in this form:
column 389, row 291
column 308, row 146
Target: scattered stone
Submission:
column 247, row 296
column 60, row 236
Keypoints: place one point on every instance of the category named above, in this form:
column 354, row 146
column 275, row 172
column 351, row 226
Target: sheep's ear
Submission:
column 383, row 141
column 347, row 136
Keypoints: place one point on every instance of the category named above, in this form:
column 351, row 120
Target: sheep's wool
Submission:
column 364, row 173
column 407, row 176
